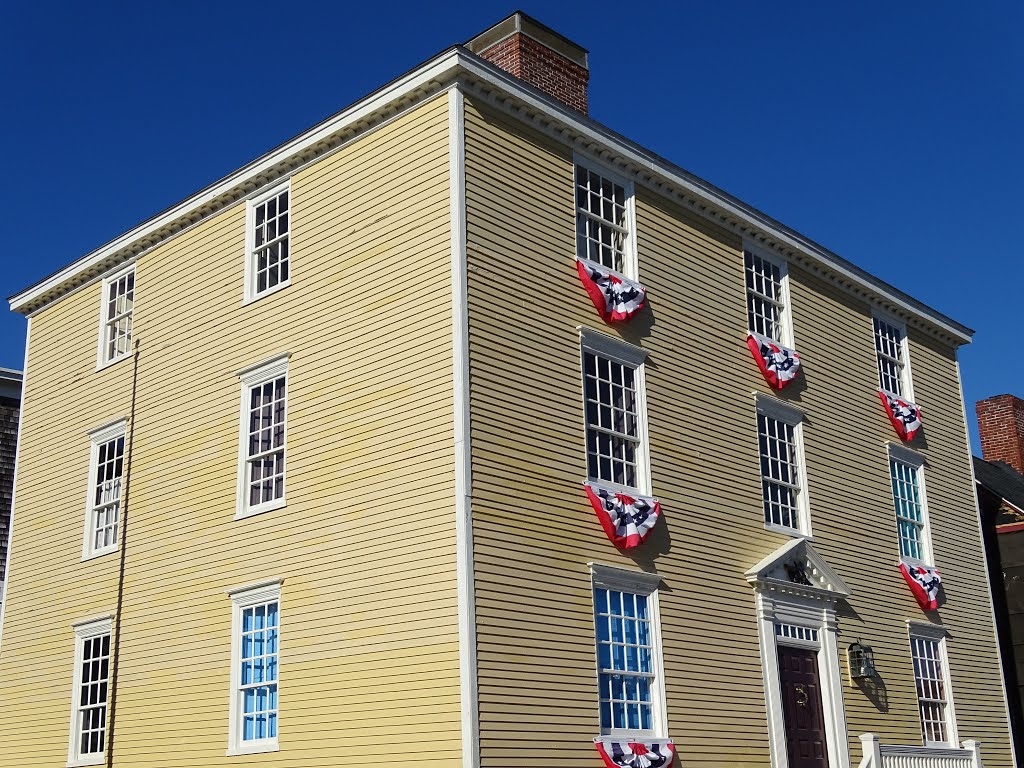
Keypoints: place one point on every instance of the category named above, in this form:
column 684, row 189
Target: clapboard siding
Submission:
column 369, row 653
column 534, row 533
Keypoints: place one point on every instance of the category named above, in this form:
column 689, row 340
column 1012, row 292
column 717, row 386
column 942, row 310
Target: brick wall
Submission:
column 8, row 441
column 1001, row 427
column 541, row 67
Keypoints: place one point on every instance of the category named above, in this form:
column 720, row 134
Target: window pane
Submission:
column 269, row 246
column 601, row 223
column 612, row 420
column 625, row 655
column 780, row 480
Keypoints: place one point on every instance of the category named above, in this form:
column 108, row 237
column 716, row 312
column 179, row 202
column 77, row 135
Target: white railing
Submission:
column 878, row 755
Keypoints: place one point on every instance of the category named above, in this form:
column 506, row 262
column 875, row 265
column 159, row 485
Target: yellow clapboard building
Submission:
column 368, row 454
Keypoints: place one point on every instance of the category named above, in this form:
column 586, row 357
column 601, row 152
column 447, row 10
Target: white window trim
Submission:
column 630, row 266
column 928, row 631
column 801, row 607
column 761, row 252
column 917, row 460
column 907, row 380
column 628, row 354
column 251, row 377
column 789, row 414
column 250, row 241
column 101, row 348
column 243, row 597
column 86, row 630
column 640, row 583
column 98, row 436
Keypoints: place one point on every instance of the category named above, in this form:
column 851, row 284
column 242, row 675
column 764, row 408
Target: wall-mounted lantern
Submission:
column 862, row 661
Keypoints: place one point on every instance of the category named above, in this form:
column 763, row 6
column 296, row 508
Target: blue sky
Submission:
column 889, row 132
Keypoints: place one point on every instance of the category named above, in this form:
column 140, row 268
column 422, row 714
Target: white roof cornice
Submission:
column 315, row 142
column 535, row 108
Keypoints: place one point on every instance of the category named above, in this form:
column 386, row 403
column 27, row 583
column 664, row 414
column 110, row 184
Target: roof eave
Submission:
column 444, row 66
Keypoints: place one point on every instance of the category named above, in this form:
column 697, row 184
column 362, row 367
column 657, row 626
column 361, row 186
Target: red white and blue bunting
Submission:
column 650, row 753
column 904, row 415
column 779, row 364
column 615, row 297
column 924, row 582
column 627, row 520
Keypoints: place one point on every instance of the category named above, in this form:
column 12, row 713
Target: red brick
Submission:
column 1001, row 428
column 543, row 68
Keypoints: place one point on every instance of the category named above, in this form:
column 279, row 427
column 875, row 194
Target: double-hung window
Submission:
column 906, row 470
column 116, row 316
column 90, row 693
column 931, row 676
column 604, row 219
column 106, row 475
column 767, row 296
column 263, row 431
column 255, row 649
column 781, row 452
column 614, row 408
column 629, row 667
column 893, row 360
column 268, row 260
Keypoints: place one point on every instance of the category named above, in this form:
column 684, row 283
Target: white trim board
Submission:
column 571, row 127
column 781, row 601
column 424, row 81
column 468, row 688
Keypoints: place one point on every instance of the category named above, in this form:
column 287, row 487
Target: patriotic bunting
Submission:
column 905, row 416
column 626, row 519
column 635, row 754
column 615, row 297
column 924, row 582
column 779, row 364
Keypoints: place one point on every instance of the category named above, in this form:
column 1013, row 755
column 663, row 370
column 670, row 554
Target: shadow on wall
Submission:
column 874, row 689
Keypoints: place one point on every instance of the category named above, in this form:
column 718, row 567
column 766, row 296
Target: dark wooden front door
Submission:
column 801, row 706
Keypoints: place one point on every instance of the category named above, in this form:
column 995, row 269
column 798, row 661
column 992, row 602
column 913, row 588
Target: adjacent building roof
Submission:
column 10, row 383
column 459, row 63
column 1002, row 480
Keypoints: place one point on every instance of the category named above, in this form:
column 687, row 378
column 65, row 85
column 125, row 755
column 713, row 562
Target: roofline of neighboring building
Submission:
column 439, row 71
column 1004, row 499
column 10, row 383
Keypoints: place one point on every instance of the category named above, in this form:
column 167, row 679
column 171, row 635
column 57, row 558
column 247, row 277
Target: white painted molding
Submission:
column 779, row 409
column 813, row 608
column 537, row 109
column 468, row 686
column 621, row 579
column 608, row 346
column 313, row 144
column 270, row 368
column 269, row 586
column 569, row 127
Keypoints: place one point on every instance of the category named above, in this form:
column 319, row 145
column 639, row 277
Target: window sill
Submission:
column 793, row 532
column 616, row 488
column 88, row 760
column 108, row 364
column 254, row 748
column 250, row 299
column 637, row 734
column 270, row 506
column 915, row 561
column 93, row 556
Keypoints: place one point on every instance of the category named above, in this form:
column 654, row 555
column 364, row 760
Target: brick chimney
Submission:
column 1001, row 426
column 537, row 55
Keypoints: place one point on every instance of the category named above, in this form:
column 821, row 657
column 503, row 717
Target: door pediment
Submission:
column 798, row 568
